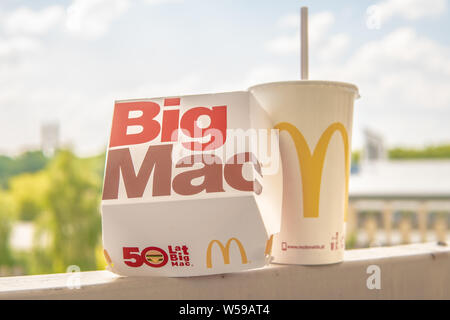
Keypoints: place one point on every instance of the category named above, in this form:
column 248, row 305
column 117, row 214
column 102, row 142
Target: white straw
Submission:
column 304, row 43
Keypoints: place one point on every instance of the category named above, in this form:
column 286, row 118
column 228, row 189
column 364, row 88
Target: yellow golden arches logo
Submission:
column 268, row 249
column 311, row 165
column 225, row 251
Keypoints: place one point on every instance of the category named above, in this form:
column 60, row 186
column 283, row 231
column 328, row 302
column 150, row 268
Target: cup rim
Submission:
column 345, row 85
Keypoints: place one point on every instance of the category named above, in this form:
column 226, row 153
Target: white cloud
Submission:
column 404, row 81
column 286, row 44
column 408, row 9
column 319, row 24
column 21, row 30
column 267, row 73
column 290, row 21
column 92, row 18
column 11, row 48
column 334, row 47
column 403, row 77
column 156, row 2
column 401, row 50
column 187, row 84
column 23, row 20
column 402, row 69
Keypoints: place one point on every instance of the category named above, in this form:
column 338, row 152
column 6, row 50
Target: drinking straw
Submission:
column 304, row 43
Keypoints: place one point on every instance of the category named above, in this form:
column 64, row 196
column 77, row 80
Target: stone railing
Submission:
column 417, row 271
column 386, row 222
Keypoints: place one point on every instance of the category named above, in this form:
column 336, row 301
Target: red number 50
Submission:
column 132, row 253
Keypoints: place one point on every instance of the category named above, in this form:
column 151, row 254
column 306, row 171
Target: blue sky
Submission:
column 67, row 61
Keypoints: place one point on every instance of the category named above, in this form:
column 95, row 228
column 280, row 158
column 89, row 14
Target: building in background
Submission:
column 397, row 201
column 374, row 147
column 49, row 138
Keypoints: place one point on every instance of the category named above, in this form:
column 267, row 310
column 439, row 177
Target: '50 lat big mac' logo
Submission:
column 158, row 159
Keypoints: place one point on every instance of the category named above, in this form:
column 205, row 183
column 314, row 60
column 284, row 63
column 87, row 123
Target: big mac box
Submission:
column 192, row 186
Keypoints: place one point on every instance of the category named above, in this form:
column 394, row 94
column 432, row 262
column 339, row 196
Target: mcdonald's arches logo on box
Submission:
column 225, row 251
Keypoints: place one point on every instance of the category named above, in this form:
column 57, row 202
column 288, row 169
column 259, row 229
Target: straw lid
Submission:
column 344, row 85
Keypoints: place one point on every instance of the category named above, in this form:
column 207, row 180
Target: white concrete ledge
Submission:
column 418, row 271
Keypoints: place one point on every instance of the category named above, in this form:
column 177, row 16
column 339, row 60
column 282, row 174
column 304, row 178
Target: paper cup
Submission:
column 315, row 123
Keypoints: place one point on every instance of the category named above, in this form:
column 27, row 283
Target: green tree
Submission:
column 68, row 230
column 430, row 152
column 6, row 220
column 356, row 157
column 6, row 164
column 30, row 161
column 28, row 194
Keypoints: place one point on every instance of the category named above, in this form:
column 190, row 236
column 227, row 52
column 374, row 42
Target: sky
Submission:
column 67, row 61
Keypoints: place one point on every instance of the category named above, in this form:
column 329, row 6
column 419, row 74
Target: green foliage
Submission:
column 27, row 192
column 68, row 230
column 430, row 152
column 62, row 200
column 6, row 219
column 356, row 156
column 30, row 161
column 351, row 241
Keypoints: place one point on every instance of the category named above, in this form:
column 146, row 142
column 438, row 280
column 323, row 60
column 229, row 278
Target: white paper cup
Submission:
column 315, row 123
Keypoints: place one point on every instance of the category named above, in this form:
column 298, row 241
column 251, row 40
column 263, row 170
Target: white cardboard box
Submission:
column 204, row 215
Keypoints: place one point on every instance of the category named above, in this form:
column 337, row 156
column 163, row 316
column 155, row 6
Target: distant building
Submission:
column 49, row 138
column 398, row 201
column 402, row 180
column 374, row 148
